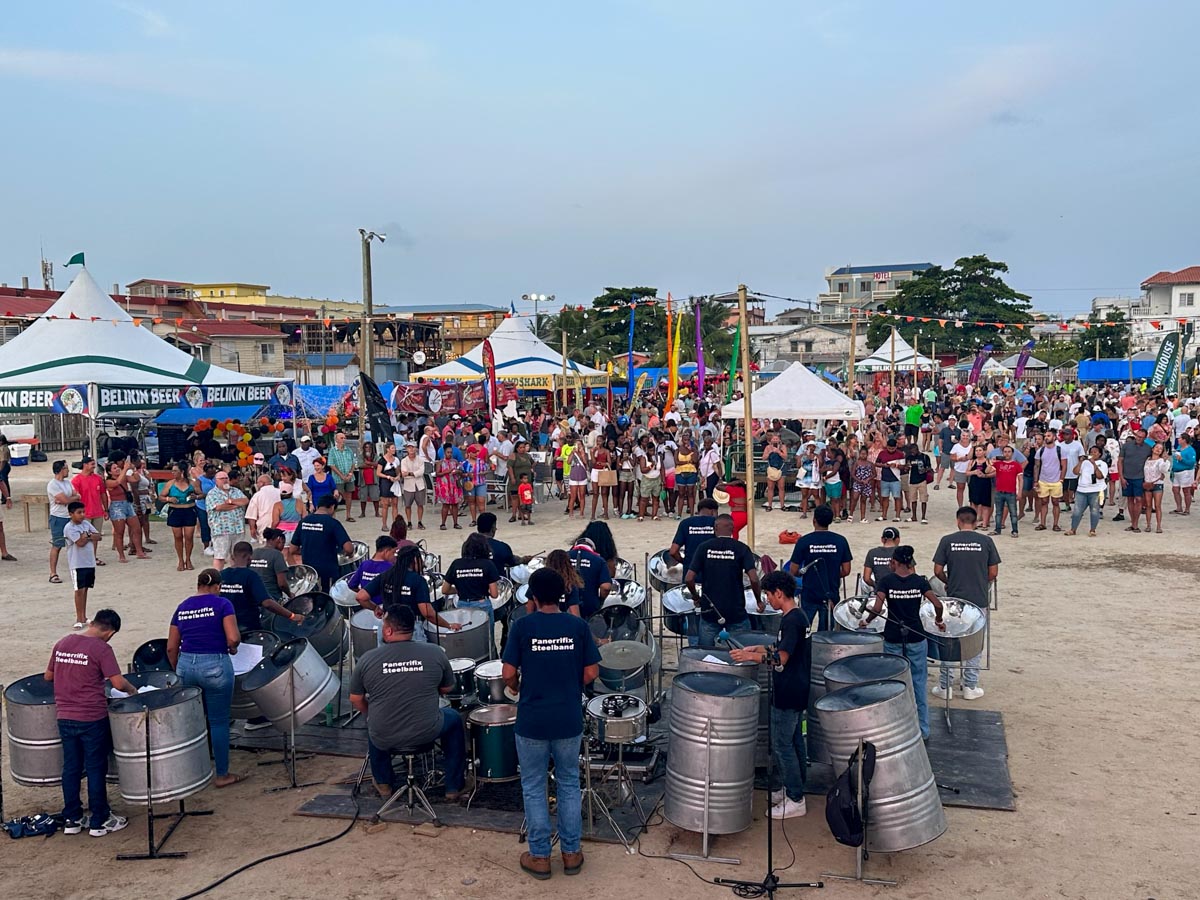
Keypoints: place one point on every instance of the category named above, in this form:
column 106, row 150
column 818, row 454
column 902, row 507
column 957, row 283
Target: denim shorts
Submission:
column 479, row 490
column 57, row 524
column 119, row 510
column 889, row 489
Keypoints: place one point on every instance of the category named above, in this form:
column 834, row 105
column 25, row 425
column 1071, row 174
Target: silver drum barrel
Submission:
column 828, row 647
column 904, row 810
column 473, row 640
column 710, row 759
column 695, row 659
column 323, row 625
column 179, row 761
column 364, row 632
column 294, row 676
column 242, row 707
column 866, row 668
column 34, row 746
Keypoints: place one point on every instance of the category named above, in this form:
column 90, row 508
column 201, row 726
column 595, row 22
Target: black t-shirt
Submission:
column 791, row 685
column 320, row 538
column 917, row 467
column 551, row 650
column 472, row 578
column 245, row 590
column 903, row 597
column 406, row 588
column 502, row 554
column 822, row 581
column 693, row 531
column 720, row 563
column 594, row 571
column 877, row 561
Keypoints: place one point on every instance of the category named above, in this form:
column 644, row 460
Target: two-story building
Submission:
column 241, row 346
column 863, row 287
column 463, row 324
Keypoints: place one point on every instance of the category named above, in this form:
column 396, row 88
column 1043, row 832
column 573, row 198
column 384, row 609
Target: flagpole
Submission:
column 747, row 414
column 892, row 389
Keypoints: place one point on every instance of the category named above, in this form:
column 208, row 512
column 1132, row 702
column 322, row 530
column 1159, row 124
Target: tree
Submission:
column 1057, row 353
column 972, row 291
column 1102, row 341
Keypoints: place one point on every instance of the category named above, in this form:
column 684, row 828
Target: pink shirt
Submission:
column 262, row 506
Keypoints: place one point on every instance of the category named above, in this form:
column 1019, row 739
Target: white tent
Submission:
column 1010, row 362
column 797, row 393
column 87, row 355
column 991, row 366
column 902, row 354
column 522, row 359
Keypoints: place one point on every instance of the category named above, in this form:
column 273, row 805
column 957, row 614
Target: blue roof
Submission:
column 1114, row 370
column 899, row 267
column 440, row 307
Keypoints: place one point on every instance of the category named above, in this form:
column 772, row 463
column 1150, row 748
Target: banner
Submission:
column 379, row 421
column 629, row 392
column 474, row 397
column 733, row 361
column 116, row 398
column 1166, row 364
column 980, row 358
column 1023, row 360
column 699, row 355
column 68, row 398
column 641, row 382
column 489, row 369
column 673, row 370
column 430, row 399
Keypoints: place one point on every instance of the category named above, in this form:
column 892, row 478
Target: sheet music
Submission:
column 247, row 657
column 715, row 659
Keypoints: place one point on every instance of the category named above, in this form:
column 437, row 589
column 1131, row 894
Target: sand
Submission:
column 1093, row 649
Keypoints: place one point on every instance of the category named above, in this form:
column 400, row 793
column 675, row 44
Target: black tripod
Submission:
column 770, row 882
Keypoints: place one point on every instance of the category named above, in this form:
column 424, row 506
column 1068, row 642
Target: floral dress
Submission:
column 863, row 476
column 448, row 487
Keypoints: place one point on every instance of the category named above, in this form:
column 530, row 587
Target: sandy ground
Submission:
column 1093, row 648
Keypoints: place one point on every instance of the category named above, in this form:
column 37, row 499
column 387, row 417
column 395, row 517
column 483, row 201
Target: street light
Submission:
column 367, row 356
column 537, row 299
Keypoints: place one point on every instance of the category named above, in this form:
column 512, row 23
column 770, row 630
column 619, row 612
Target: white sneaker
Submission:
column 114, row 823
column 778, row 796
column 209, row 551
column 942, row 693
column 789, row 809
column 972, row 693
column 72, row 826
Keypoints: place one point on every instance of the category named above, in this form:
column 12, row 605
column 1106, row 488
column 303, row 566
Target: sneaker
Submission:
column 113, row 823
column 209, row 551
column 256, row 726
column 942, row 693
column 72, row 826
column 778, row 796
column 972, row 693
column 1119, row 517
column 789, row 809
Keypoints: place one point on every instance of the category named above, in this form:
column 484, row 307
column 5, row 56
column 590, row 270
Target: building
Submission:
column 863, row 287
column 818, row 346
column 231, row 291
column 243, row 346
column 463, row 324
column 1168, row 298
column 155, row 287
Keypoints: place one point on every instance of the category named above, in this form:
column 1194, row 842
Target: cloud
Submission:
column 125, row 72
column 153, row 23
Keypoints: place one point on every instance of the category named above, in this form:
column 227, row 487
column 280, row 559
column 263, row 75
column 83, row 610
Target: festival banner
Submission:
column 489, row 368
column 68, row 398
column 733, row 361
column 419, row 397
column 641, row 382
column 699, row 355
column 629, row 391
column 379, row 422
column 673, row 372
column 1023, row 360
column 122, row 397
column 474, row 397
column 980, row 359
column 1166, row 363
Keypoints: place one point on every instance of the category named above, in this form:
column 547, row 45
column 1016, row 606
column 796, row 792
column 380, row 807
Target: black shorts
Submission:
column 82, row 579
column 181, row 518
column 910, row 431
column 558, row 476
column 1070, row 484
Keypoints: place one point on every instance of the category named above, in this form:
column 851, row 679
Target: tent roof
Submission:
column 991, row 364
column 882, row 357
column 86, row 338
column 797, row 393
column 519, row 353
column 1010, row 362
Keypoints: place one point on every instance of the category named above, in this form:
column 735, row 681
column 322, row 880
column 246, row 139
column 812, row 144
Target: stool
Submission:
column 412, row 792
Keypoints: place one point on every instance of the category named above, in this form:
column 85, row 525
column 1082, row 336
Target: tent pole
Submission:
column 892, row 389
column 93, row 401
column 748, row 440
column 853, row 339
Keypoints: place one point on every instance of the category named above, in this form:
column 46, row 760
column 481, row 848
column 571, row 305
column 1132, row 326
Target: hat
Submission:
column 259, row 459
column 456, row 417
column 720, row 496
column 305, row 437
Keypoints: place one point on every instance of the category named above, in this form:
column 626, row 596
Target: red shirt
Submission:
column 525, row 493
column 1007, row 473
column 90, row 489
column 80, row 665
column 887, row 472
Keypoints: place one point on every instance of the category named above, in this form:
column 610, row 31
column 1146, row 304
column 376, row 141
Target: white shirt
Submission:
column 1071, row 451
column 426, row 450
column 1092, row 477
column 503, row 449
column 1180, row 424
column 54, row 487
column 709, row 460
column 961, row 456
column 1019, row 424
column 305, row 458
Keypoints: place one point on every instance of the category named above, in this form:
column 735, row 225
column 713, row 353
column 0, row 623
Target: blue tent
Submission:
column 181, row 416
column 1116, row 370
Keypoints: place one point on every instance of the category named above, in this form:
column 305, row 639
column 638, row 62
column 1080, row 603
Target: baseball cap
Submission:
column 305, row 437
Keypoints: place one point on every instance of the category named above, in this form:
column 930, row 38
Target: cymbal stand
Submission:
column 591, row 794
column 860, row 852
column 289, row 744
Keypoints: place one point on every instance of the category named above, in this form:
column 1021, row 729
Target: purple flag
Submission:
column 699, row 355
column 1022, row 360
column 980, row 358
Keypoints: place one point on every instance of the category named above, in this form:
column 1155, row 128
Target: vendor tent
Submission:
column 990, row 367
column 797, row 393
column 1010, row 362
column 900, row 354
column 87, row 355
column 522, row 359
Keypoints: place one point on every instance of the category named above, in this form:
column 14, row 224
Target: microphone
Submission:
column 808, row 565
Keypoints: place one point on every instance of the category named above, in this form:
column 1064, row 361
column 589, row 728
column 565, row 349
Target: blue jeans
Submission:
column 453, row 749
column 710, row 630
column 1003, row 501
column 970, row 673
column 86, row 746
column 817, row 613
column 213, row 674
column 534, row 756
column 1090, row 502
column 916, row 654
column 205, row 532
column 787, row 743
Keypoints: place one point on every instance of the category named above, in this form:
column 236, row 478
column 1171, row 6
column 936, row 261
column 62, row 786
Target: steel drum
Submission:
column 151, row 657
column 663, row 573
column 710, row 757
column 866, row 668
column 623, row 664
column 493, row 742
column 347, row 564
column 292, row 677
column 617, row 623
column 904, row 809
column 464, row 677
column 432, row 562
column 489, row 682
column 242, row 706
column 178, row 732
column 34, row 745
column 757, row 568
column 345, row 596
column 302, row 580
column 618, row 718
column 829, row 647
column 697, row 659
column 966, row 630
column 364, row 632
column 520, row 611
column 625, row 570
column 768, row 620
column 679, row 612
column 629, row 594
column 323, row 625
column 519, row 574
column 503, row 599
column 848, row 613
column 157, row 680
column 472, row 641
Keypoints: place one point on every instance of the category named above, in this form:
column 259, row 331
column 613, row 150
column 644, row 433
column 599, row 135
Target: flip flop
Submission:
column 101, row 562
column 54, row 579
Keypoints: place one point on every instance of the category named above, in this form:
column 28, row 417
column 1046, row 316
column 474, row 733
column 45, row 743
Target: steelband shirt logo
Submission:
column 544, row 645
column 403, row 667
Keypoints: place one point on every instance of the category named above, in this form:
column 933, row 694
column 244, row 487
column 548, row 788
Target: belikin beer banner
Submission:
column 74, row 398
column 459, row 397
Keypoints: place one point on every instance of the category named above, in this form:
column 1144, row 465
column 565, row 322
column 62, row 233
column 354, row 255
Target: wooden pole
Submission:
column 853, row 340
column 564, row 359
column 747, row 413
column 892, row 389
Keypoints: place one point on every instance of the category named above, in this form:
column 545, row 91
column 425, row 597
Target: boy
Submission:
column 525, row 498
column 82, row 538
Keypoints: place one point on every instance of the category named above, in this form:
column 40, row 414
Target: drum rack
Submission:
column 860, row 853
column 290, row 757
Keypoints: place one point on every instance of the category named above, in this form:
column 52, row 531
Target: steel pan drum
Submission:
column 179, row 762
column 623, row 664
column 768, row 620
column 242, row 706
column 323, row 625
column 696, row 659
column 358, row 552
column 828, row 647
column 34, row 745
column 966, row 630
column 623, row 723
column 617, row 623
column 157, row 680
column 519, row 574
column 344, row 596
column 503, row 598
column 866, row 668
column 493, row 742
column 293, row 676
column 302, row 580
column 625, row 570
column 472, row 641
column 629, row 594
column 432, row 562
column 663, row 573
column 151, row 657
column 364, row 632
column 849, row 612
column 679, row 612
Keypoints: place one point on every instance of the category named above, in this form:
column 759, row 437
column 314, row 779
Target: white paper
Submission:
column 247, row 657
column 715, row 659
column 147, row 688
column 114, row 694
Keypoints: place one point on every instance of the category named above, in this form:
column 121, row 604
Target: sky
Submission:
column 560, row 148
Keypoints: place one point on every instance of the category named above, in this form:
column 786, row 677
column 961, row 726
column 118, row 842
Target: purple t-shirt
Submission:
column 201, row 623
column 368, row 570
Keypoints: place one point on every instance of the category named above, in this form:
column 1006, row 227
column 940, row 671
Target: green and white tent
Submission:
column 85, row 355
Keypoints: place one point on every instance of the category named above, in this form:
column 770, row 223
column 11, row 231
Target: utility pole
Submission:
column 366, row 357
column 1129, row 316
column 892, row 390
column 324, row 366
column 747, row 413
column 853, row 341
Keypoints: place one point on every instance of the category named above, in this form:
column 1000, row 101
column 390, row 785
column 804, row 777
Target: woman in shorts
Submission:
column 475, row 483
column 412, row 485
column 601, row 462
column 1158, row 471
column 368, row 481
column 626, row 479
column 179, row 495
column 686, row 474
column 808, row 478
column 121, row 512
column 576, row 467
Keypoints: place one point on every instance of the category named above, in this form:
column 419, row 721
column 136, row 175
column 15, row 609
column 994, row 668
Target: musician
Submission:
column 244, row 588
column 549, row 659
column 903, row 589
column 268, row 563
column 595, row 573
column 877, row 562
column 79, row 665
column 694, row 530
column 370, row 569
column 789, row 698
column 475, row 578
column 318, row 539
column 502, row 553
column 719, row 563
column 821, row 584
column 396, row 687
column 404, row 584
column 968, row 563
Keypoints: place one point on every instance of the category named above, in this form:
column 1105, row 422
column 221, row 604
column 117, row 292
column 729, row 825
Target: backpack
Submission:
column 847, row 823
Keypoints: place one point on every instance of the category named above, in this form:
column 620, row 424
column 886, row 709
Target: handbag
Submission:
column 607, row 478
column 787, row 536
column 774, row 474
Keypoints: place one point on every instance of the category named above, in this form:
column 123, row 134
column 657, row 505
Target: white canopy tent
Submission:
column 901, row 354
column 991, row 366
column 797, row 393
column 1010, row 362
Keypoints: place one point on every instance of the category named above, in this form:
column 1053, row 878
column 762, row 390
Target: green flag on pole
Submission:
column 76, row 260
column 733, row 361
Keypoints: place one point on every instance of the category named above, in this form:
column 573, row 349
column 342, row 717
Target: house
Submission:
column 863, row 287
column 819, row 346
column 156, row 287
column 463, row 324
column 243, row 346
column 234, row 291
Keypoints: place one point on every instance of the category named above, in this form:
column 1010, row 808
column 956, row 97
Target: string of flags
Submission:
column 999, row 326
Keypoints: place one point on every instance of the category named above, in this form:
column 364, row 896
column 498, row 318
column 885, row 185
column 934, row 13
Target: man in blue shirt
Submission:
column 281, row 460
column 243, row 587
column 694, row 530
column 549, row 659
column 830, row 554
column 319, row 538
column 597, row 581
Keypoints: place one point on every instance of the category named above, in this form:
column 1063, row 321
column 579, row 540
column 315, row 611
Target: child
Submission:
column 82, row 538
column 525, row 498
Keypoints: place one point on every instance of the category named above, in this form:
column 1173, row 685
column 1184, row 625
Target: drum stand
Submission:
column 860, row 853
column 594, row 798
column 289, row 745
column 351, row 714
column 154, row 850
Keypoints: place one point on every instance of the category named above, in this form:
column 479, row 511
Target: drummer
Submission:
column 694, row 530
column 396, row 687
column 243, row 587
column 79, row 665
column 475, row 578
column 904, row 635
column 548, row 660
column 718, row 565
column 370, row 569
column 789, row 697
column 404, row 584
column 877, row 562
column 595, row 574
column 502, row 554
column 268, row 563
column 318, row 540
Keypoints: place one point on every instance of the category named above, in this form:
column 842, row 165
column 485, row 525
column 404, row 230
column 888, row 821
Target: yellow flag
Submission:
column 673, row 367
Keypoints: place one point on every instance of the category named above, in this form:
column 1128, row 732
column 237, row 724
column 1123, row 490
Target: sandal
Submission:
column 1040, row 528
column 54, row 579
column 101, row 562
column 1056, row 528
column 443, row 526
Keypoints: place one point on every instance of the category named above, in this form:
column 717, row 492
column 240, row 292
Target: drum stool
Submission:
column 412, row 792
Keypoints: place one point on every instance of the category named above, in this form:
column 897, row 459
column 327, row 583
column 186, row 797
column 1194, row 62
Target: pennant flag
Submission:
column 489, row 368
column 942, row 322
column 673, row 371
column 76, row 260
column 699, row 354
column 980, row 359
column 1157, row 325
column 72, row 316
column 137, row 323
column 629, row 363
column 512, row 310
column 157, row 320
column 1063, row 326
column 1166, row 363
column 641, row 382
column 327, row 322
column 378, row 418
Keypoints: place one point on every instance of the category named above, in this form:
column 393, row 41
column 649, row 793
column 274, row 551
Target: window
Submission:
column 795, row 346
column 1188, row 299
column 843, row 287
column 881, row 286
column 864, row 287
column 267, row 352
column 455, row 322
column 212, row 293
column 483, row 321
column 222, row 293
